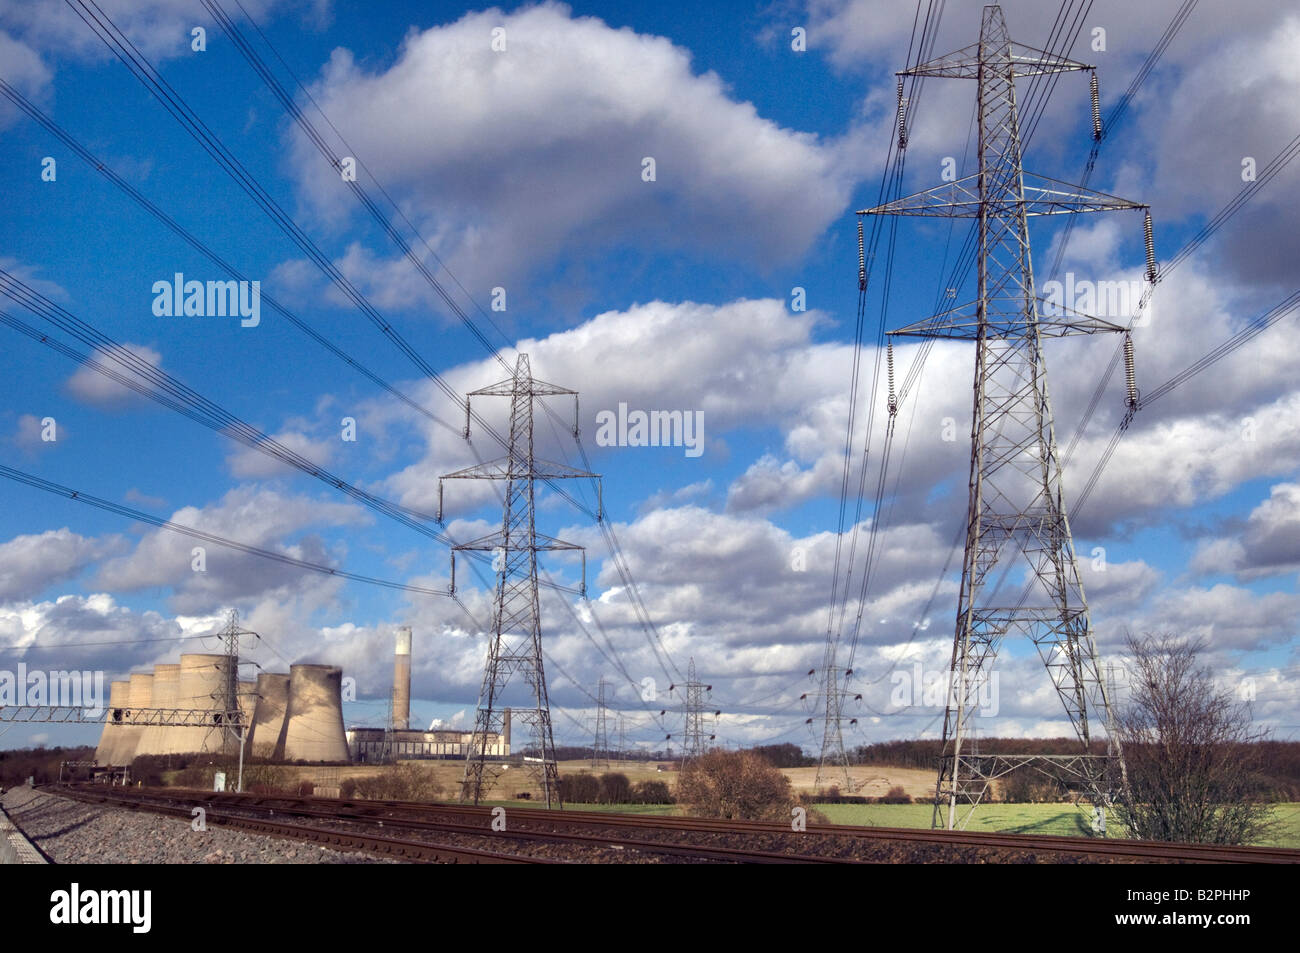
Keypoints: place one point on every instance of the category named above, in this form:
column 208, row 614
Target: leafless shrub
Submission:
column 1192, row 752
column 402, row 782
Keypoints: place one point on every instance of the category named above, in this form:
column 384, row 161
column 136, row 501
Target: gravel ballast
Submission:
column 70, row 832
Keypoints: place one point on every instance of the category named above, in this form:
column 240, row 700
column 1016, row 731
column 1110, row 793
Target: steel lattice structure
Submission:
column 695, row 736
column 1017, row 504
column 830, row 697
column 232, row 727
column 516, row 636
column 600, row 743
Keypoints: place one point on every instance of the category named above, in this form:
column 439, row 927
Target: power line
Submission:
column 19, row 476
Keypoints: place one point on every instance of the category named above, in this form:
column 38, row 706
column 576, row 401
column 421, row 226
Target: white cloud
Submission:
column 246, row 463
column 32, row 431
column 514, row 158
column 31, row 563
column 257, row 517
column 1267, row 545
column 92, row 387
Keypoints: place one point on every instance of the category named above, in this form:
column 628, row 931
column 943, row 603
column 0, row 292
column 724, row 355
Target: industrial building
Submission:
column 370, row 745
column 290, row 717
column 400, row 741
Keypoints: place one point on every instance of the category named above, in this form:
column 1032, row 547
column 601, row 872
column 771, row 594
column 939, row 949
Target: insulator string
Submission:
column 1151, row 248
column 1096, row 107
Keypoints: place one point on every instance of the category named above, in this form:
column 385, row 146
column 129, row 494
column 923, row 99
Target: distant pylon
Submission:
column 695, row 739
column 829, row 699
column 600, row 743
column 516, row 638
column 1017, row 504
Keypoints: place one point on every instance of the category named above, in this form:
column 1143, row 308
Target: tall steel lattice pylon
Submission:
column 830, row 696
column 1017, row 505
column 516, row 636
column 232, row 721
column 600, row 743
column 695, row 738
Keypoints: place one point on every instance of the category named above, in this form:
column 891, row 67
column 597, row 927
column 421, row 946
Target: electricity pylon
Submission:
column 600, row 743
column 232, row 721
column 516, row 636
column 694, row 695
column 234, row 730
column 1017, row 505
column 830, row 697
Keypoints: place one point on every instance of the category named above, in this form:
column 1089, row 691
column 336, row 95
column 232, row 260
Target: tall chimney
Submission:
column 402, row 679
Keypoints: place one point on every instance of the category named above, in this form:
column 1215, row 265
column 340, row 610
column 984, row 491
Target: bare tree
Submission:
column 1192, row 752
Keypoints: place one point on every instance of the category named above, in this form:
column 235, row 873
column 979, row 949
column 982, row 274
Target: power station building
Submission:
column 293, row 717
column 370, row 745
column 401, row 742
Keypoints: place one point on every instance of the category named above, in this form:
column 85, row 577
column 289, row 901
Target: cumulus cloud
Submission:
column 158, row 28
column 247, row 463
column 514, row 158
column 37, row 433
column 85, row 632
column 1268, row 544
column 92, row 387
column 24, row 70
column 30, row 564
column 246, row 514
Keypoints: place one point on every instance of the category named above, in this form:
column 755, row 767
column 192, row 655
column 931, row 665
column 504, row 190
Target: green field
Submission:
column 1029, row 819
column 1010, row 818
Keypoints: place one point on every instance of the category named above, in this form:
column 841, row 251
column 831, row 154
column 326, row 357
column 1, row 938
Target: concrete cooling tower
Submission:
column 139, row 694
column 202, row 681
column 266, row 740
column 314, row 721
column 111, row 741
column 166, row 682
column 247, row 702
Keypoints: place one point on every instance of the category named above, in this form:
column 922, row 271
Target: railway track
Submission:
column 687, row 838
column 252, row 812
column 396, row 848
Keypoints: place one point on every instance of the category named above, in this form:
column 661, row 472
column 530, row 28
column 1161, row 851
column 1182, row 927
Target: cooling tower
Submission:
column 155, row 739
column 266, row 740
column 111, row 741
column 139, row 694
column 402, row 680
column 247, row 702
column 202, row 683
column 314, row 721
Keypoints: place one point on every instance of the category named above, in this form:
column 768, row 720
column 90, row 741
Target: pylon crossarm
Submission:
column 1047, row 196
column 962, row 323
column 1060, row 767
column 530, row 385
column 965, row 63
column 1039, row 195
column 500, row 469
column 497, row 540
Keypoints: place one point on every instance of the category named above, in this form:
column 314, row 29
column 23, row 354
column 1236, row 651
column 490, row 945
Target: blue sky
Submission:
column 522, row 169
